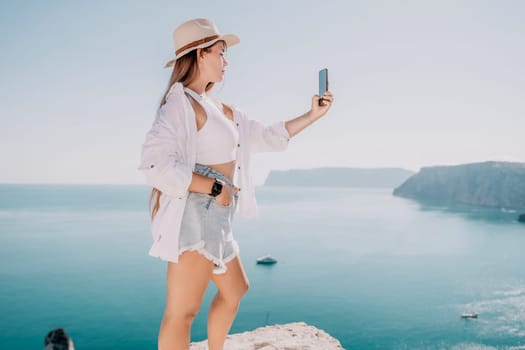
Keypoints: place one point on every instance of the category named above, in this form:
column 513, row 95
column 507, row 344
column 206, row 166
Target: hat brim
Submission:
column 229, row 39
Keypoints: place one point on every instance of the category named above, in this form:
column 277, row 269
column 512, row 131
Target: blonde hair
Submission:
column 184, row 71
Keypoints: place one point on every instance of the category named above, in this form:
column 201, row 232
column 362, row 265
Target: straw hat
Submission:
column 196, row 34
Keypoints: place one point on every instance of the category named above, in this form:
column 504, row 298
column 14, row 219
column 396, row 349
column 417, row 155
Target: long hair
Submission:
column 185, row 71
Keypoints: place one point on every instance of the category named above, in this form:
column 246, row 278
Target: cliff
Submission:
column 490, row 184
column 291, row 336
column 339, row 177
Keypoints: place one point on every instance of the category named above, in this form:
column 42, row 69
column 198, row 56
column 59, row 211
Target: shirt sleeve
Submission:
column 162, row 160
column 266, row 138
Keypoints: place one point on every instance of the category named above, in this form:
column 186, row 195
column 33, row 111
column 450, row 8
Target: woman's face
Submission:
column 213, row 62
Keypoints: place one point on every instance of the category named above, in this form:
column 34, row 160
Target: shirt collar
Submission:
column 194, row 94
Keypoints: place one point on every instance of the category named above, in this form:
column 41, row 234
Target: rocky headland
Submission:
column 488, row 184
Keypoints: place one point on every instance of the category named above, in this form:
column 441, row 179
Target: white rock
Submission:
column 290, row 336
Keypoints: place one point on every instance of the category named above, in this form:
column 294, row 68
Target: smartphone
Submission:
column 323, row 84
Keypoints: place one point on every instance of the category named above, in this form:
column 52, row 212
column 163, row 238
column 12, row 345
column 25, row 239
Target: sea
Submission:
column 373, row 270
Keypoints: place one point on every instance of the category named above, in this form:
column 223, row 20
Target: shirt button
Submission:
column 238, row 145
column 239, row 168
column 152, row 166
column 237, row 124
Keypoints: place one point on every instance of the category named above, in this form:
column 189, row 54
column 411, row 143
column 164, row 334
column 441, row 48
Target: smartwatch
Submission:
column 216, row 189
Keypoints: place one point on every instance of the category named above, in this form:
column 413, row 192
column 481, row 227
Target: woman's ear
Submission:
column 200, row 53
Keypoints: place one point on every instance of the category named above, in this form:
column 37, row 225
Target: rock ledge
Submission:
column 290, row 336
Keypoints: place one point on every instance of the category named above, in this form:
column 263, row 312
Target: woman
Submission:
column 196, row 156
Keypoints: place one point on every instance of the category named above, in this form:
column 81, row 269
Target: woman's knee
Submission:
column 242, row 289
column 183, row 315
column 233, row 297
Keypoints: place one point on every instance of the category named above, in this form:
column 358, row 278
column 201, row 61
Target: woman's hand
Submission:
column 296, row 125
column 318, row 111
column 225, row 197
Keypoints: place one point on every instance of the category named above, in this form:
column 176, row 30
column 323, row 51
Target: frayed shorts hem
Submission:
column 220, row 265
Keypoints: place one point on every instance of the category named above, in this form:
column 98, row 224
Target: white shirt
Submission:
column 168, row 159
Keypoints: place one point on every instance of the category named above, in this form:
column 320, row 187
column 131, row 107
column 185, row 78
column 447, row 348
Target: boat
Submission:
column 266, row 260
column 469, row 315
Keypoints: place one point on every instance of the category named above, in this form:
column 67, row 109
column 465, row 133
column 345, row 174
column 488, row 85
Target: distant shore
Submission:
column 339, row 177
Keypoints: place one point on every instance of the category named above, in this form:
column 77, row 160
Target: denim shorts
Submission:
column 207, row 225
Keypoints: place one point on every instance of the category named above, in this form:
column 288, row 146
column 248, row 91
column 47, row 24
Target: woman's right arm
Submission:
column 161, row 162
column 163, row 159
column 165, row 171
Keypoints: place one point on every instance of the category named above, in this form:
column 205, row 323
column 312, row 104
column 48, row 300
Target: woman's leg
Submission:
column 186, row 284
column 231, row 285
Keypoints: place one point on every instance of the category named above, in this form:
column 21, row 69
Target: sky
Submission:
column 416, row 83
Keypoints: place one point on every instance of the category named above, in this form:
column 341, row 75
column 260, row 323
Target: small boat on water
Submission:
column 469, row 315
column 266, row 260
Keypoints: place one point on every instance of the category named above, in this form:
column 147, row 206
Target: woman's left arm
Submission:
column 296, row 125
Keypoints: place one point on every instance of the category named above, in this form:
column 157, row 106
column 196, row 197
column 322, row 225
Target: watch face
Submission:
column 216, row 189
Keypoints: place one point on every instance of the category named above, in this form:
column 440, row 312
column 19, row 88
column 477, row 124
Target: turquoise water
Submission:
column 373, row 270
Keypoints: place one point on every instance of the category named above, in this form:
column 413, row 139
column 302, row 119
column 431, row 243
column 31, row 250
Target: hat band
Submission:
column 196, row 43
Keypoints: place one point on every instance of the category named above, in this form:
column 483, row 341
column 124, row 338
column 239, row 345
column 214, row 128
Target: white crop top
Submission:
column 218, row 138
